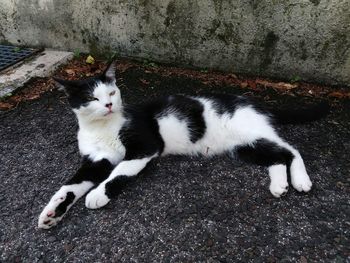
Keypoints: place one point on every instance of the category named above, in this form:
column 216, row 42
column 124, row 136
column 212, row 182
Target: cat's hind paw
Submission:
column 278, row 190
column 96, row 198
column 279, row 183
column 301, row 182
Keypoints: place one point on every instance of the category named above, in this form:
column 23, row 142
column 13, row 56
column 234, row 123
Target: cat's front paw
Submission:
column 96, row 198
column 47, row 219
column 55, row 209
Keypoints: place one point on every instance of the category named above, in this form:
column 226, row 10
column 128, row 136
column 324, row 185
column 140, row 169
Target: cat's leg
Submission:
column 88, row 175
column 272, row 155
column 120, row 176
column 278, row 179
column 299, row 177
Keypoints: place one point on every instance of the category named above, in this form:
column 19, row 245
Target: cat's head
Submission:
column 96, row 97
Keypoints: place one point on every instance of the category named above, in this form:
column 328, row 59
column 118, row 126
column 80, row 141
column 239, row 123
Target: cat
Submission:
column 118, row 141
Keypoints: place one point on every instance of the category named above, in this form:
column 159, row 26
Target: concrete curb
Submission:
column 42, row 65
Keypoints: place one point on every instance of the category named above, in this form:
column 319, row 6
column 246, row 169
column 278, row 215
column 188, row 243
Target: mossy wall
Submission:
column 308, row 39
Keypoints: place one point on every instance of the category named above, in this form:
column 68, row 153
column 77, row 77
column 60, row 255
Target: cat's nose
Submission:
column 109, row 105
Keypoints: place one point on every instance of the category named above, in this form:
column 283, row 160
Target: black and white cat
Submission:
column 117, row 142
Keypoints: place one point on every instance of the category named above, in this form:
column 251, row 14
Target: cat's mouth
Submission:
column 109, row 113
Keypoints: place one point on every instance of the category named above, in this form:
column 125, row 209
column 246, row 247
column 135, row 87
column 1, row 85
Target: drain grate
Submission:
column 10, row 55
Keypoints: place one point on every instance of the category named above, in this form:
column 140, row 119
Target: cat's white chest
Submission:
column 101, row 143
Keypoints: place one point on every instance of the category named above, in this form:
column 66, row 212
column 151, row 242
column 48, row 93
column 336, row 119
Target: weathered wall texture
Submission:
column 309, row 39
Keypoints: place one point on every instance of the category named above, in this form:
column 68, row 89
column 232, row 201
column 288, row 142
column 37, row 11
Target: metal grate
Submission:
column 10, row 55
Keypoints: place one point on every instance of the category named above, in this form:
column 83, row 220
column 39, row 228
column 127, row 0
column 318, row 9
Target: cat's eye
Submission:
column 91, row 98
column 112, row 93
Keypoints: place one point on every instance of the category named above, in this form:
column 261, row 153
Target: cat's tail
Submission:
column 300, row 115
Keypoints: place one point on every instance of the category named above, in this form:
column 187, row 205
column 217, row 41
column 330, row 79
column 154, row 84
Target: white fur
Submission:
column 97, row 110
column 97, row 138
column 98, row 132
column 130, row 167
column 78, row 189
column 98, row 198
column 278, row 177
column 99, row 127
column 223, row 132
column 299, row 177
column 175, row 135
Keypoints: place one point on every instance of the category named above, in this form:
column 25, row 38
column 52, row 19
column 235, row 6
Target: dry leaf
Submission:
column 70, row 71
column 5, row 105
column 90, row 60
column 244, row 85
column 252, row 84
column 339, row 94
column 279, row 85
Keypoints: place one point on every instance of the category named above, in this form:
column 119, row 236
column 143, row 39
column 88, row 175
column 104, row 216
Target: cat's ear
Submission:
column 109, row 73
column 63, row 85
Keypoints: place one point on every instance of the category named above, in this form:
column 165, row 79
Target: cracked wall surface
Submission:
column 307, row 39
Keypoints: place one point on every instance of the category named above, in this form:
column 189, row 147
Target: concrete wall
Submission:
column 309, row 39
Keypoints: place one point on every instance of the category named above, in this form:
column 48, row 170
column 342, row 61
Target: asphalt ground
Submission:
column 181, row 209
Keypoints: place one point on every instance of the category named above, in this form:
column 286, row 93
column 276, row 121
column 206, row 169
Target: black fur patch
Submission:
column 140, row 135
column 265, row 153
column 79, row 91
column 189, row 110
column 115, row 187
column 299, row 115
column 62, row 207
column 94, row 172
column 227, row 103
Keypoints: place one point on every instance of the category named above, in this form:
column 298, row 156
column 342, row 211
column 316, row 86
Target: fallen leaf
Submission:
column 5, row 105
column 90, row 60
column 244, row 85
column 252, row 84
column 279, row 85
column 33, row 96
column 339, row 94
column 70, row 71
column 232, row 76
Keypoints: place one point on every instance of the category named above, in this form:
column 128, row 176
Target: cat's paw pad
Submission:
column 278, row 189
column 47, row 219
column 302, row 183
column 96, row 198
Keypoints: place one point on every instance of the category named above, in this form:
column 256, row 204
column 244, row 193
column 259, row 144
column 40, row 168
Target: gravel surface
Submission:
column 180, row 209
